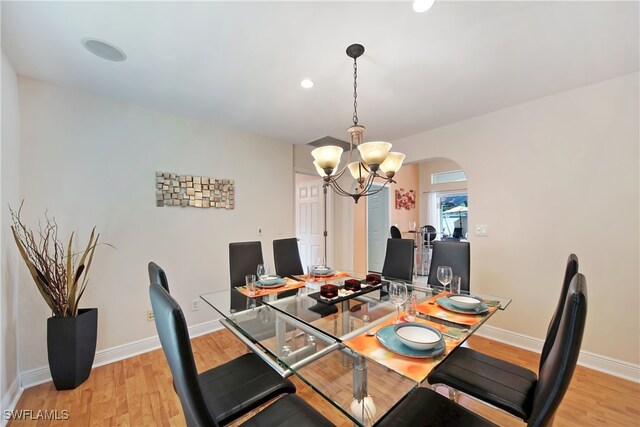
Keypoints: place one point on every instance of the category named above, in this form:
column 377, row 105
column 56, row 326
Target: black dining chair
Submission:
column 456, row 255
column 223, row 394
column 398, row 260
column 570, row 270
column 157, row 275
column 395, row 232
column 244, row 258
column 426, row 407
column 286, row 257
column 515, row 389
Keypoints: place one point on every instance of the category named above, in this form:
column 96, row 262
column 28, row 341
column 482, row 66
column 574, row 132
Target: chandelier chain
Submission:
column 355, row 92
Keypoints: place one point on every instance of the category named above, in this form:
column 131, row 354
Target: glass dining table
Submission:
column 342, row 348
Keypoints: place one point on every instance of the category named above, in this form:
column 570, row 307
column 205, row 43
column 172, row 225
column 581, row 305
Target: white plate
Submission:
column 464, row 301
column 322, row 271
column 418, row 336
column 270, row 280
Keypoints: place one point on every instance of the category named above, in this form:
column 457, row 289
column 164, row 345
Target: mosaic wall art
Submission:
column 195, row 191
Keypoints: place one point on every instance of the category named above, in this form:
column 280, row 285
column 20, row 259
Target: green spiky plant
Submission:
column 60, row 275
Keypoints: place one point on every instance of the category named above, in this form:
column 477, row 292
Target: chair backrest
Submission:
column 556, row 372
column 174, row 337
column 457, row 233
column 398, row 260
column 244, row 258
column 570, row 271
column 456, row 255
column 429, row 234
column 286, row 256
column 395, row 232
column 157, row 275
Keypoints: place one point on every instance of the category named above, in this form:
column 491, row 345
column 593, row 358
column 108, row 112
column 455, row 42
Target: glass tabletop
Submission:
column 362, row 389
column 322, row 341
column 344, row 319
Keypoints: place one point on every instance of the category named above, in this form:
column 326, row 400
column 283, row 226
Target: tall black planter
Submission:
column 71, row 346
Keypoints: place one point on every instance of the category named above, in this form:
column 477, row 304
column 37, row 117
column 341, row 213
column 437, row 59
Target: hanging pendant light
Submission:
column 375, row 156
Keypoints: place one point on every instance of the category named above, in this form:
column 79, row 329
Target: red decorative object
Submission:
column 405, row 200
column 352, row 285
column 373, row 279
column 329, row 290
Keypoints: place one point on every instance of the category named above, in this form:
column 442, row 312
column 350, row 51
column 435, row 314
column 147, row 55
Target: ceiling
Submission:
column 240, row 64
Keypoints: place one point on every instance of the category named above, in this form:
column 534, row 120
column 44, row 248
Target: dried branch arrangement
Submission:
column 60, row 275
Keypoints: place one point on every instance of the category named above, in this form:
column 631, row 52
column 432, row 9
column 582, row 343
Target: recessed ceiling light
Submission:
column 422, row 5
column 103, row 49
column 306, row 83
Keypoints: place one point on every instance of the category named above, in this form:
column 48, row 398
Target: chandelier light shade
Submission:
column 327, row 158
column 374, row 155
column 358, row 171
column 392, row 163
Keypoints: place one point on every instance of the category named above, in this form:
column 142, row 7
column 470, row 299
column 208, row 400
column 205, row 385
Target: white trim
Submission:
column 10, row 400
column 104, row 357
column 598, row 362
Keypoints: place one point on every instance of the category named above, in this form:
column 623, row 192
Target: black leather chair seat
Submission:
column 230, row 389
column 425, row 407
column 288, row 411
column 500, row 383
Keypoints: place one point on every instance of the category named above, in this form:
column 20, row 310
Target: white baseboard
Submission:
column 608, row 365
column 10, row 400
column 104, row 357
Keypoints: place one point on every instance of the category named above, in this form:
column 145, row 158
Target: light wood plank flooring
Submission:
column 138, row 391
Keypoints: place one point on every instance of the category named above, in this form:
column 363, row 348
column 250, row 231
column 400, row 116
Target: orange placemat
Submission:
column 431, row 308
column 311, row 278
column 414, row 368
column 289, row 285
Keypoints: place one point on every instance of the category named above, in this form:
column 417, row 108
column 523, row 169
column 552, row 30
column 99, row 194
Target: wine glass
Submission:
column 263, row 271
column 321, row 262
column 444, row 275
column 398, row 296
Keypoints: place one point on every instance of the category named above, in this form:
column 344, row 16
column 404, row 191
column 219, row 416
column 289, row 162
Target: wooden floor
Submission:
column 138, row 392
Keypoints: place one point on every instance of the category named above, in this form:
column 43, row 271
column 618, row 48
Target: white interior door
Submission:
column 309, row 218
column 377, row 229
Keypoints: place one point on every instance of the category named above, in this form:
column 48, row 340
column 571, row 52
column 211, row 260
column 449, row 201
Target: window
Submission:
column 446, row 177
column 453, row 215
column 449, row 214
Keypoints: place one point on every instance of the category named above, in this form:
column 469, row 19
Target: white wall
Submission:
column 550, row 177
column 9, row 152
column 92, row 161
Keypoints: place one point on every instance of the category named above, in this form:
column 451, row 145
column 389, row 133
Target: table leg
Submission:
column 281, row 334
column 346, row 324
column 359, row 378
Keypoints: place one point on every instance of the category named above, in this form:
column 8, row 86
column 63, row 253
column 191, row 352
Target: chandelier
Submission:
column 375, row 157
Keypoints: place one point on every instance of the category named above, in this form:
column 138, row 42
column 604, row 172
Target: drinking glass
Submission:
column 250, row 282
column 398, row 296
column 263, row 271
column 454, row 286
column 321, row 262
column 444, row 275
